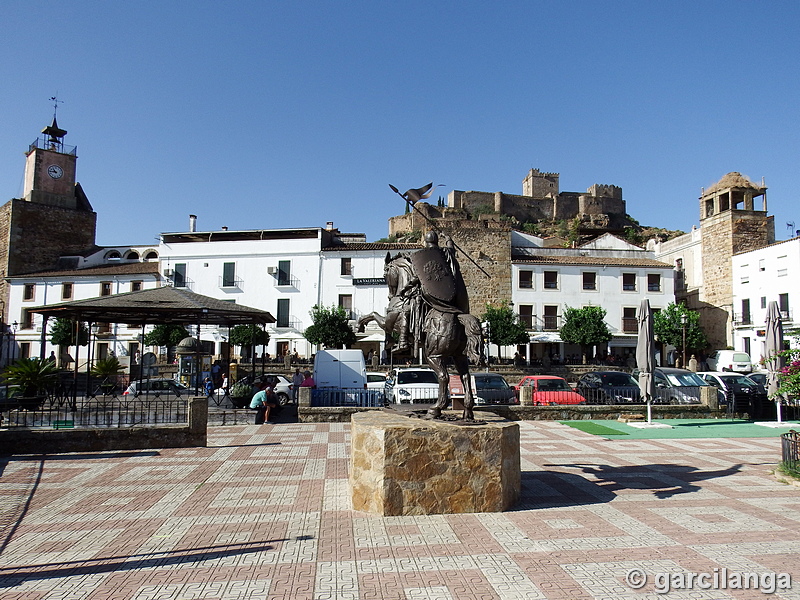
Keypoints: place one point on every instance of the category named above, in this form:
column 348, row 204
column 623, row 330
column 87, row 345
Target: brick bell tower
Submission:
column 730, row 222
column 53, row 218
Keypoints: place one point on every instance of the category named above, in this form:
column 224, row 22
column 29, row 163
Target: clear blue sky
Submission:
column 288, row 114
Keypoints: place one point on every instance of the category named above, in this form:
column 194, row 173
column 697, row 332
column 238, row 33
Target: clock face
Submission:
column 55, row 171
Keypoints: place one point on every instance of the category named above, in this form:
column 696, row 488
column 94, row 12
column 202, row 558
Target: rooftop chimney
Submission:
column 192, row 223
column 329, row 225
column 224, row 228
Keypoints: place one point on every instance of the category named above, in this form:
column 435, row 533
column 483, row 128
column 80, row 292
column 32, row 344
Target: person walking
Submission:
column 297, row 380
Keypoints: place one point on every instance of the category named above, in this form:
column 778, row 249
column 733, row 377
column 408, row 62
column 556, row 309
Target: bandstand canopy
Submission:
column 157, row 305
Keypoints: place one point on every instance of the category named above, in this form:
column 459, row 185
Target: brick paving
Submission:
column 263, row 513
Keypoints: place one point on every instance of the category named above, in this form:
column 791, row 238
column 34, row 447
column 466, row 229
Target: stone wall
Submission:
column 39, row 234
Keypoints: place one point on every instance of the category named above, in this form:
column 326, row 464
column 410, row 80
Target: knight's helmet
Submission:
column 431, row 238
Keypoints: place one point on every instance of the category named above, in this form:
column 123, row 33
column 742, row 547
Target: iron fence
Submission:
column 348, row 397
column 106, row 411
column 790, row 451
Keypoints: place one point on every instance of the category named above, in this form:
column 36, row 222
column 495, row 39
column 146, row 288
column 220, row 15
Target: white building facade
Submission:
column 607, row 272
column 760, row 277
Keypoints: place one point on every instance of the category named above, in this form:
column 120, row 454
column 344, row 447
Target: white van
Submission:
column 340, row 369
column 729, row 360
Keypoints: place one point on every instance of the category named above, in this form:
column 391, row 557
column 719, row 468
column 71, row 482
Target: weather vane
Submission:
column 56, row 102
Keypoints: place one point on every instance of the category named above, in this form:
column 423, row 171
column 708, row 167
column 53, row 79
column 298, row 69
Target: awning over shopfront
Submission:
column 546, row 337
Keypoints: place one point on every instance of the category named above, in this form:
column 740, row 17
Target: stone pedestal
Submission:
column 405, row 466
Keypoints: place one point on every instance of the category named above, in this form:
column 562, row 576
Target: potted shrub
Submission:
column 32, row 376
column 107, row 369
column 241, row 393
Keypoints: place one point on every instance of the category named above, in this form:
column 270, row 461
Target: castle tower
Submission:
column 730, row 223
column 52, row 219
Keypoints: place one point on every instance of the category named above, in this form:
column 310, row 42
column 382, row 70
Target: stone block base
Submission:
column 405, row 466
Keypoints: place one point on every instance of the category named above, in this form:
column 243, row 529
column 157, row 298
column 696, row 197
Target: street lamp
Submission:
column 684, row 320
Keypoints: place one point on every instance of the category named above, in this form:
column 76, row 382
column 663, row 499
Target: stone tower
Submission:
column 730, row 223
column 53, row 218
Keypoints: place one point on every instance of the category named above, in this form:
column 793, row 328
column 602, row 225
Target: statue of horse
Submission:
column 444, row 335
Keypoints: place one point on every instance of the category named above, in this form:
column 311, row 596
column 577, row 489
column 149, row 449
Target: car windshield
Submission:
column 685, row 379
column 553, row 385
column 618, row 380
column 406, row 377
column 488, row 382
column 741, row 357
column 737, row 379
column 375, row 378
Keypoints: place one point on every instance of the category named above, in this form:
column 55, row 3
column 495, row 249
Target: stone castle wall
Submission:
column 40, row 234
column 33, row 237
column 489, row 244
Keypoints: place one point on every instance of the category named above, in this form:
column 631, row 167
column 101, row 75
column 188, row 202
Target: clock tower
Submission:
column 52, row 219
column 50, row 170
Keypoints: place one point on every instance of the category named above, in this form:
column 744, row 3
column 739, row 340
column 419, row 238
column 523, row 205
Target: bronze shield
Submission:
column 434, row 274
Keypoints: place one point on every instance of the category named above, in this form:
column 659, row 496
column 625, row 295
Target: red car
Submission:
column 549, row 389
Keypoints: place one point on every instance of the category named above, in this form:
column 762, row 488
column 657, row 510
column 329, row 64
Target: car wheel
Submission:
column 283, row 399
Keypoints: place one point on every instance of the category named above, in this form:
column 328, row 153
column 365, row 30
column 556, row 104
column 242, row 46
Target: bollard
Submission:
column 304, row 397
column 526, row 395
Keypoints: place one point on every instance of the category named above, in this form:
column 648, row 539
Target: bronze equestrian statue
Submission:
column 429, row 304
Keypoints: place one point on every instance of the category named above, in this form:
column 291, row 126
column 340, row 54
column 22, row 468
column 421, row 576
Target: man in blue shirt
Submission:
column 262, row 402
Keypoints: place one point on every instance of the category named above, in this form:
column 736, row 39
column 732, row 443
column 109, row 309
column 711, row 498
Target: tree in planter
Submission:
column 330, row 328
column 166, row 334
column 505, row 328
column 247, row 336
column 585, row 326
column 107, row 369
column 32, row 376
column 668, row 328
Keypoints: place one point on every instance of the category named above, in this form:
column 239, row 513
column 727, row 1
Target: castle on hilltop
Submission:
column 598, row 210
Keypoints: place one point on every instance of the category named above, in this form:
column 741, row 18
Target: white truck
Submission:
column 340, row 369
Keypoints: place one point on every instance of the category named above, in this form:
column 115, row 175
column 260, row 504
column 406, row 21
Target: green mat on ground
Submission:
column 593, row 428
column 683, row 429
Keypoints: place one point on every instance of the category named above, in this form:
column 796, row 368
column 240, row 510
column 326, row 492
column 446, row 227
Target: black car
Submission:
column 676, row 386
column 609, row 387
column 741, row 394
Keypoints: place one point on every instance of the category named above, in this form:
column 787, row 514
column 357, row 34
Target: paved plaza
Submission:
column 263, row 513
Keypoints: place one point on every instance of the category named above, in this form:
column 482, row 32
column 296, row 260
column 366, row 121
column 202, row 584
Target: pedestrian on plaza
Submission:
column 297, row 381
column 208, row 385
column 262, row 403
column 308, row 380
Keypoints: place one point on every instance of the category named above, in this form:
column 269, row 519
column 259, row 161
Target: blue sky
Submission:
column 290, row 114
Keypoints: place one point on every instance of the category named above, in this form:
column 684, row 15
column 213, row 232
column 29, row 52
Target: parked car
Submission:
column 676, row 386
column 487, row 388
column 609, row 387
column 549, row 389
column 729, row 360
column 740, row 393
column 760, row 377
column 282, row 386
column 156, row 387
column 407, row 385
column 376, row 380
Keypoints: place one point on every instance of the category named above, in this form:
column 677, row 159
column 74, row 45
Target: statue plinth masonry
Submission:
column 429, row 304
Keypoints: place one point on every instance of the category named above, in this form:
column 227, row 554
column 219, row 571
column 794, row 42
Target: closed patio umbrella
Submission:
column 773, row 346
column 646, row 354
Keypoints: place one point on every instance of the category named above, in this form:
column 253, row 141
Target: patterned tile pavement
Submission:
column 263, row 513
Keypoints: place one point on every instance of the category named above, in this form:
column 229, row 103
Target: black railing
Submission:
column 348, row 397
column 790, row 451
column 102, row 412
